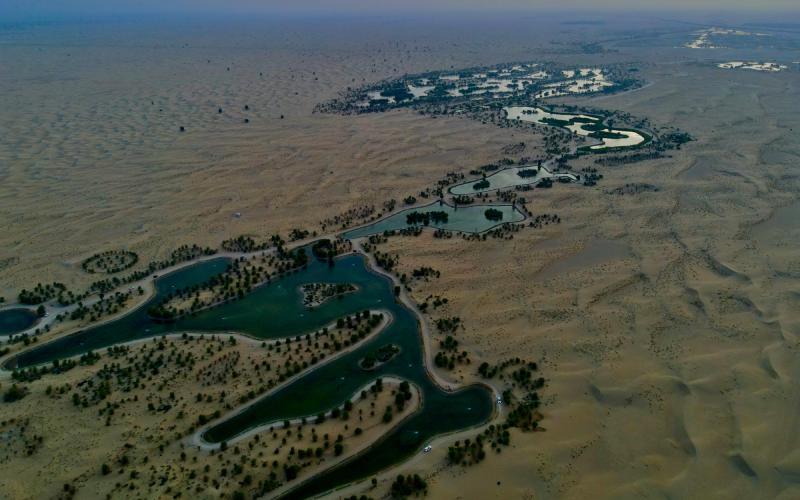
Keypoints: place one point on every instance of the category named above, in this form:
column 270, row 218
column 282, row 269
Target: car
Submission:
column 427, row 449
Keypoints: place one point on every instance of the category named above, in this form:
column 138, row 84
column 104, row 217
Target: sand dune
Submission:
column 663, row 318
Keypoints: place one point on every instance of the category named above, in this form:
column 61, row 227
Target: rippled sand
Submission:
column 93, row 159
column 665, row 321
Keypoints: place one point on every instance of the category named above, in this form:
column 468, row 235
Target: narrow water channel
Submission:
column 276, row 311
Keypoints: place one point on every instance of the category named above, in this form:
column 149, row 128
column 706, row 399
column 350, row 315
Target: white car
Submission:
column 427, row 449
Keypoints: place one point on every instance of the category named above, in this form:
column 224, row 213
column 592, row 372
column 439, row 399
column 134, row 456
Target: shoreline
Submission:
column 197, row 437
column 423, row 330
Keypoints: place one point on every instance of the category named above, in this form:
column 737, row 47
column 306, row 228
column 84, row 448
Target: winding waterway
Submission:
column 276, row 311
column 580, row 124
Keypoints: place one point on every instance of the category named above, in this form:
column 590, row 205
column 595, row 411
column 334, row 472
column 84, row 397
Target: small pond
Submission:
column 16, row 320
column 466, row 219
column 508, row 178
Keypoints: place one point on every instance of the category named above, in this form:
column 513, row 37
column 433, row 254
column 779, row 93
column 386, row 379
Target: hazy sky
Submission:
column 45, row 8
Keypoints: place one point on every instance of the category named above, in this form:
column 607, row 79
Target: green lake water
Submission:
column 16, row 320
column 276, row 311
column 133, row 326
column 507, row 178
column 467, row 219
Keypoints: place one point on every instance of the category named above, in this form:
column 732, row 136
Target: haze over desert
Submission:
column 488, row 251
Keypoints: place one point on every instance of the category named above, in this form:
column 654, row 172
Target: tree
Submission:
column 493, row 214
column 291, row 471
column 14, row 393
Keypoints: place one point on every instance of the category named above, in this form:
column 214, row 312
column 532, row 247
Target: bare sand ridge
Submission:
column 94, row 158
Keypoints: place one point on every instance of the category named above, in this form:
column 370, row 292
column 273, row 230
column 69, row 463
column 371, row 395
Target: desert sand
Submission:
column 664, row 321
